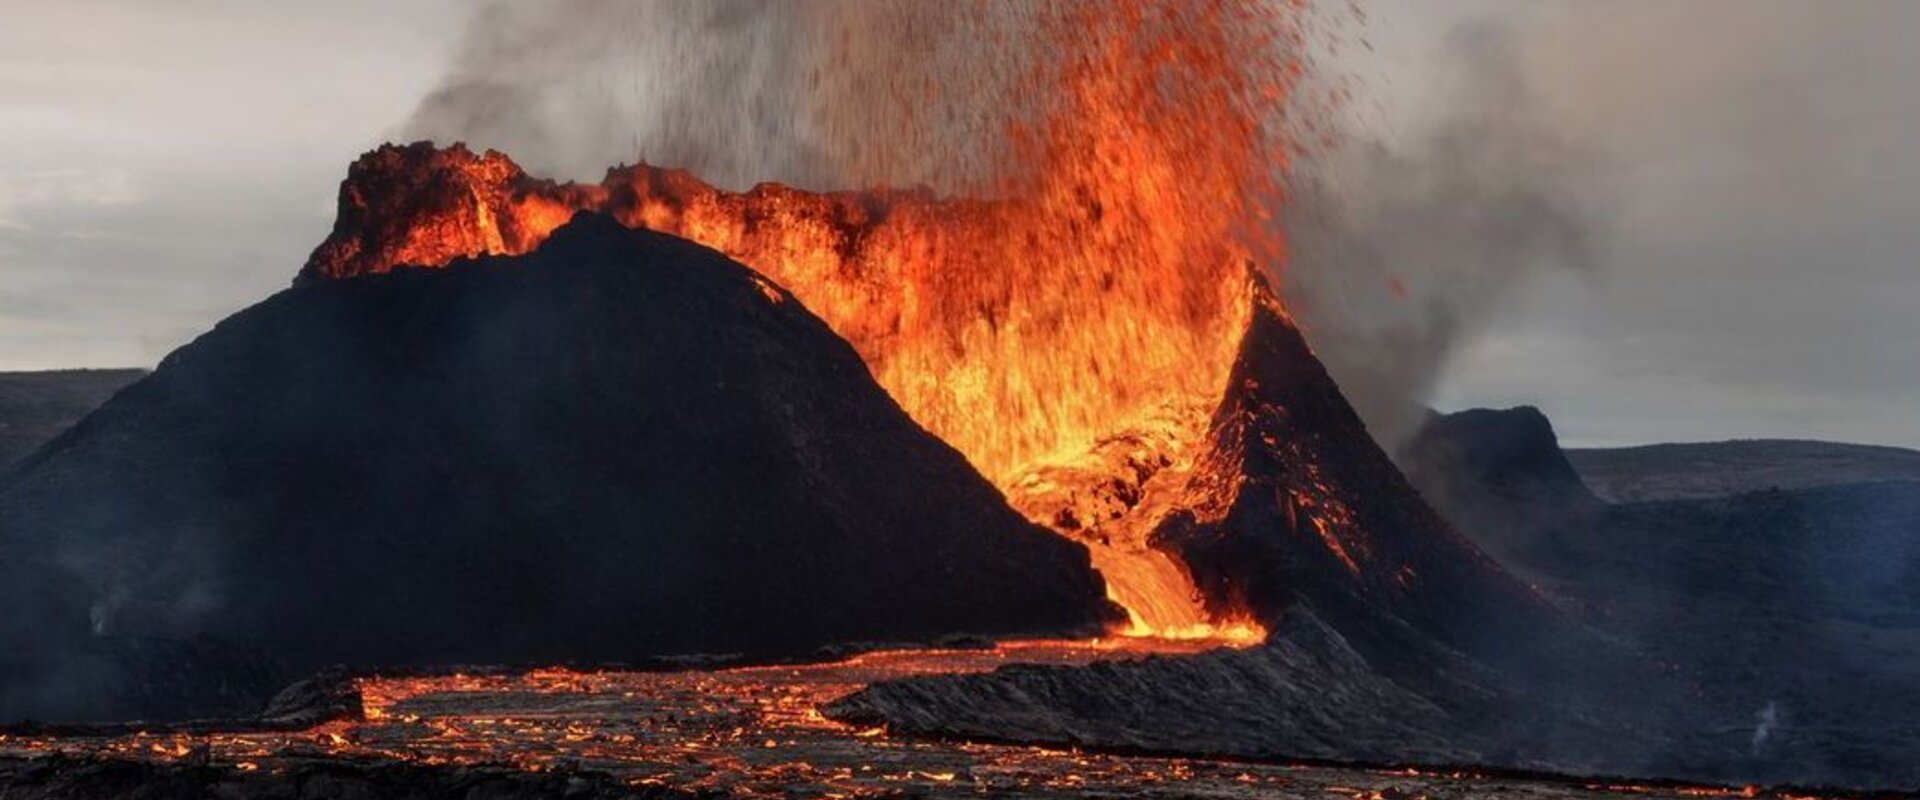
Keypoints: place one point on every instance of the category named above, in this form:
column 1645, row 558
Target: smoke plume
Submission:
column 821, row 95
column 1400, row 252
column 1403, row 252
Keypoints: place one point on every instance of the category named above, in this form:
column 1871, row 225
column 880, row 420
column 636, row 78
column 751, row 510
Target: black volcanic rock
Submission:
column 1501, row 477
column 1394, row 636
column 1318, row 513
column 37, row 406
column 1798, row 607
column 1701, row 470
column 1306, row 693
column 618, row 446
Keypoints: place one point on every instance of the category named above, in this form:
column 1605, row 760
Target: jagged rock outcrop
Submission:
column 425, row 206
column 619, row 445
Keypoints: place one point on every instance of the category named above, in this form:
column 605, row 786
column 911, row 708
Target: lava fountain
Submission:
column 1070, row 331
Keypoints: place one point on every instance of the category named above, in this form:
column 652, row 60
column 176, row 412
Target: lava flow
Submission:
column 1071, row 336
column 758, row 731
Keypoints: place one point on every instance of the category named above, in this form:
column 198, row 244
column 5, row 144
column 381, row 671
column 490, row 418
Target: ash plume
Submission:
column 821, row 95
column 1401, row 252
column 1404, row 251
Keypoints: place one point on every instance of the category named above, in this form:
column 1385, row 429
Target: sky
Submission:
column 1734, row 179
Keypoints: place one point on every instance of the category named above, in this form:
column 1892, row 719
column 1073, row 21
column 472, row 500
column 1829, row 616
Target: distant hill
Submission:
column 1774, row 575
column 37, row 406
column 1719, row 469
column 1500, row 477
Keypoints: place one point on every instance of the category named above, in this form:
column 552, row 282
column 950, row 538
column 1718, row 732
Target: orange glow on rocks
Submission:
column 1070, row 335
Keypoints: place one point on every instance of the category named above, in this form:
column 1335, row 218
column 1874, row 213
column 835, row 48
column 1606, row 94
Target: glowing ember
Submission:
column 1100, row 298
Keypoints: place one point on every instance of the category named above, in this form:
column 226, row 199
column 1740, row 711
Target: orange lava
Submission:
column 758, row 731
column 1099, row 298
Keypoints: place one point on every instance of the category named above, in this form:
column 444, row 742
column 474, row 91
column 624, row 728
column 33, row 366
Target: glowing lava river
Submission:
column 758, row 731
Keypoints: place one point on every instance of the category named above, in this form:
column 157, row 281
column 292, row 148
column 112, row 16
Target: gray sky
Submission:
column 1747, row 174
column 1741, row 169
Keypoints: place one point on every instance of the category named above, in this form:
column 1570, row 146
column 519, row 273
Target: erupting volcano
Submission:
column 478, row 366
column 1071, row 337
column 912, row 407
column 1079, row 382
column 1090, row 323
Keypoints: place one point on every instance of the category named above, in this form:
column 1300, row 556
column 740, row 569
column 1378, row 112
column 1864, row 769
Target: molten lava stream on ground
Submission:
column 759, row 731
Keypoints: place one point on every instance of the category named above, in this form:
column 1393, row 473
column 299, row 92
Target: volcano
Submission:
column 618, row 446
column 1166, row 412
column 481, row 432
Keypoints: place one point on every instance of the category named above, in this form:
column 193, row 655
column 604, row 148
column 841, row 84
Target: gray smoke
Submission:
column 825, row 94
column 1403, row 252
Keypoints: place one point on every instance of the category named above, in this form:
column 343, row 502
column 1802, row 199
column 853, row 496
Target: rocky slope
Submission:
column 1294, row 503
column 619, row 445
column 37, row 406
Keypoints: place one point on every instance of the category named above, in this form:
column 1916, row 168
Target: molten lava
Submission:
column 759, row 731
column 1071, row 336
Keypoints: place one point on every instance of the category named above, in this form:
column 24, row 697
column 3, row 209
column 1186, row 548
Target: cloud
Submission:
column 1745, row 200
column 56, row 190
